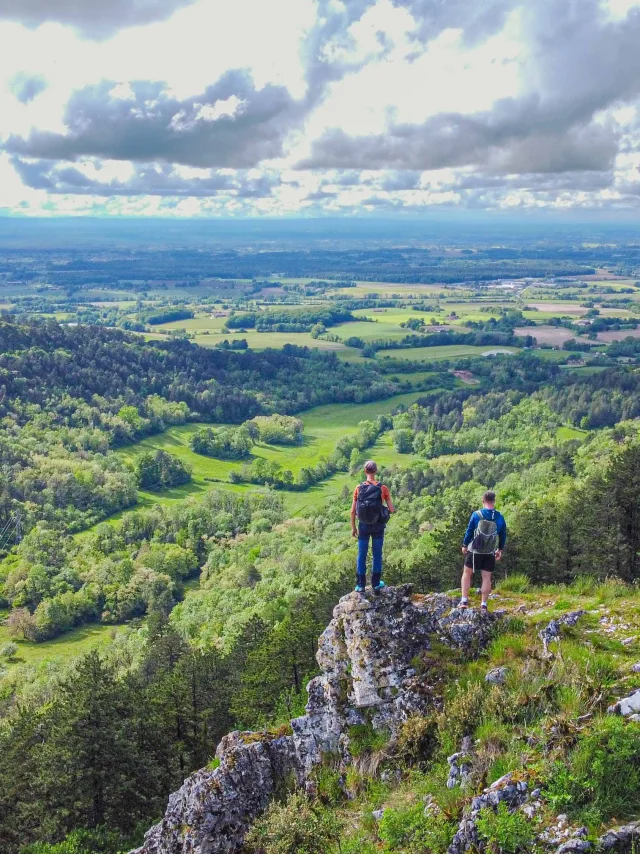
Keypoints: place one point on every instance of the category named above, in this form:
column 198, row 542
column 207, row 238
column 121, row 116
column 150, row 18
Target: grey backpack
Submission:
column 485, row 536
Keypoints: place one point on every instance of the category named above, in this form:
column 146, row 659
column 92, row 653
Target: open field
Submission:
column 554, row 335
column 556, row 307
column 70, row 645
column 568, row 433
column 323, row 426
column 618, row 335
column 368, row 331
column 200, row 323
column 386, row 288
column 277, row 340
column 559, row 355
column 450, row 351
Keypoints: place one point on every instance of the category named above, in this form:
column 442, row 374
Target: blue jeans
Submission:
column 377, row 541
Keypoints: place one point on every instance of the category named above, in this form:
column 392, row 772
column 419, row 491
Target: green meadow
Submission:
column 323, row 427
column 449, row 351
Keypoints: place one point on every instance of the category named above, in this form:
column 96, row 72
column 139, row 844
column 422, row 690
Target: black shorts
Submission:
column 486, row 563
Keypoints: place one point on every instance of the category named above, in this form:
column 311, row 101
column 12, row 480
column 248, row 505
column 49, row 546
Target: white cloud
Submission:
column 214, row 107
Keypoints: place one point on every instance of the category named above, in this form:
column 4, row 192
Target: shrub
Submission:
column 601, row 778
column 417, row 739
column 295, row 827
column 508, row 832
column 410, row 830
column 100, row 841
column 9, row 650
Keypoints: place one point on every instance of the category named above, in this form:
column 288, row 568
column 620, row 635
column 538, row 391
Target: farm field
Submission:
column 559, row 355
column 386, row 288
column 449, row 351
column 618, row 335
column 265, row 340
column 557, row 308
column 554, row 335
column 381, row 328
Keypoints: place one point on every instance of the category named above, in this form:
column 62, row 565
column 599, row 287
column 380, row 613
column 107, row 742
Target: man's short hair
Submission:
column 370, row 467
column 489, row 497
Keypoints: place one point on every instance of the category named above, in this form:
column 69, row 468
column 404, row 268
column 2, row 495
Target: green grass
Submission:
column 70, row 645
column 200, row 323
column 264, row 340
column 323, row 427
column 369, row 331
column 450, row 351
column 567, row 433
column 559, row 355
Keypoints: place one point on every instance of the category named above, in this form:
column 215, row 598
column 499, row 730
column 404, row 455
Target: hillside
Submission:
column 134, row 641
column 432, row 729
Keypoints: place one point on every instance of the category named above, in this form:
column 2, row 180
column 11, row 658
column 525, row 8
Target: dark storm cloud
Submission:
column 26, row 87
column 147, row 180
column 156, row 126
column 95, row 18
column 582, row 63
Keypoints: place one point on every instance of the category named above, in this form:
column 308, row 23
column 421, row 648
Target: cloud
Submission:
column 553, row 127
column 95, row 18
column 26, row 87
column 231, row 124
column 146, row 180
column 516, row 136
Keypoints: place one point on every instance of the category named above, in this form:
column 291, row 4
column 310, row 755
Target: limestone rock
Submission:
column 213, row 809
column 367, row 656
column 552, row 631
column 497, row 676
column 627, row 706
column 504, row 790
column 621, row 840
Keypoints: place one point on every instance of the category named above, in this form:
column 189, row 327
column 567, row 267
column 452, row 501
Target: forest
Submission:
column 215, row 602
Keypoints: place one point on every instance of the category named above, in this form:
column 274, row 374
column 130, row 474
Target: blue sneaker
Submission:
column 359, row 588
column 379, row 587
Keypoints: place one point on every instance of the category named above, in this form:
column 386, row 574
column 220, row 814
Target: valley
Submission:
column 179, row 452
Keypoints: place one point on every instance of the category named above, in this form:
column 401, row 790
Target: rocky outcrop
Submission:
column 213, row 809
column 371, row 674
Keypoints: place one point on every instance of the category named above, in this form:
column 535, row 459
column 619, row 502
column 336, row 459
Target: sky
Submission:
column 236, row 108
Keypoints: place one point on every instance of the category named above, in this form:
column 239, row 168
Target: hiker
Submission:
column 482, row 546
column 369, row 500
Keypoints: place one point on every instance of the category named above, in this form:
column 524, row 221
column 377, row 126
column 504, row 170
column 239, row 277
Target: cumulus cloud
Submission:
column 95, row 18
column 231, row 124
column 516, row 136
column 26, row 87
column 554, row 127
column 146, row 180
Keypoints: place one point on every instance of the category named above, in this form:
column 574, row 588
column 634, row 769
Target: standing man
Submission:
column 482, row 546
column 369, row 500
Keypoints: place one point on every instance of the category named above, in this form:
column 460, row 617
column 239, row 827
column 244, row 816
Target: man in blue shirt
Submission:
column 482, row 546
